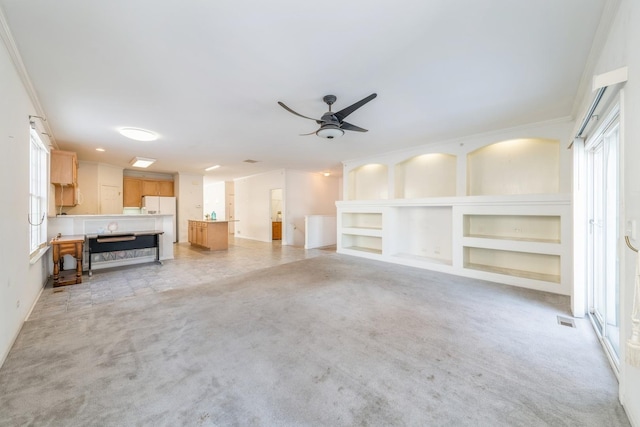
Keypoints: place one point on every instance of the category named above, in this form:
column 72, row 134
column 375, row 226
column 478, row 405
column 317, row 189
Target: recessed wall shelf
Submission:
column 492, row 212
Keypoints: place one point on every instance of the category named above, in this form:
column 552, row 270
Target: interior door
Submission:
column 110, row 201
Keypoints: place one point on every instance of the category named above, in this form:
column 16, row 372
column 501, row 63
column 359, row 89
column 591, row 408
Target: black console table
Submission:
column 113, row 242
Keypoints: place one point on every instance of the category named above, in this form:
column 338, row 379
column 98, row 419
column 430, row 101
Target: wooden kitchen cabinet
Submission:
column 213, row 235
column 64, row 177
column 64, row 167
column 131, row 192
column 65, row 195
column 149, row 188
column 165, row 188
column 276, row 230
column 134, row 188
column 157, row 188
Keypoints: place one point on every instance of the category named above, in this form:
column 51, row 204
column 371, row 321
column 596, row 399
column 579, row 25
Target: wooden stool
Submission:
column 67, row 245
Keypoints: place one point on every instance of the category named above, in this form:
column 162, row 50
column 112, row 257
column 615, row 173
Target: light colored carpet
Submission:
column 333, row 341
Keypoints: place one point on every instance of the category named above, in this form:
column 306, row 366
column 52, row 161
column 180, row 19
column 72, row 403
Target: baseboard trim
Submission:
column 15, row 336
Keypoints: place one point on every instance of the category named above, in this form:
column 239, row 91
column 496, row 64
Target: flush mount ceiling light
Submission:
column 102, row 150
column 141, row 162
column 210, row 168
column 138, row 134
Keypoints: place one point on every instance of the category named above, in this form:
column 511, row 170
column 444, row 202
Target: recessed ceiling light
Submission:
column 102, row 150
column 141, row 162
column 138, row 134
column 210, row 168
column 327, row 174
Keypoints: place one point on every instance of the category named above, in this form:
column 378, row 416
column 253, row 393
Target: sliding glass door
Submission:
column 603, row 206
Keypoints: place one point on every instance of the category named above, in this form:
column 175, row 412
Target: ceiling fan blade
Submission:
column 297, row 114
column 349, row 126
column 310, row 133
column 342, row 114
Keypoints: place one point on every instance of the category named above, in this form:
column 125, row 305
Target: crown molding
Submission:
column 16, row 58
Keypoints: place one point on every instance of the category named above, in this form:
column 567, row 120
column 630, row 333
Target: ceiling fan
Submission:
column 332, row 125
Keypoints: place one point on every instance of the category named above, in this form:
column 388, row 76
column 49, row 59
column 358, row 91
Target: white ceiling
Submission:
column 207, row 75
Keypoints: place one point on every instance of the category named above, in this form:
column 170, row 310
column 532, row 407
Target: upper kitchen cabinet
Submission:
column 165, row 188
column 131, row 192
column 157, row 188
column 64, row 177
column 134, row 188
column 64, row 167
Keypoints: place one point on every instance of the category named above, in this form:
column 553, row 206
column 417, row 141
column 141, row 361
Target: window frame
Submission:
column 38, row 193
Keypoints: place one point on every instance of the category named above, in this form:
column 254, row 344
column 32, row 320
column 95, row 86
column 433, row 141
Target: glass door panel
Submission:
column 603, row 236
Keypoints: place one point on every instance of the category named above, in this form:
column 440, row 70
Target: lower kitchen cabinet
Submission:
column 213, row 235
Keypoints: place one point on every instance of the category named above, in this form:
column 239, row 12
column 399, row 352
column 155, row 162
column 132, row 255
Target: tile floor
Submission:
column 191, row 266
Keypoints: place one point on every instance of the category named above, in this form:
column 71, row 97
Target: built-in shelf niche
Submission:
column 357, row 242
column 424, row 233
column 530, row 228
column 518, row 166
column 362, row 220
column 368, row 182
column 427, row 175
column 528, row 265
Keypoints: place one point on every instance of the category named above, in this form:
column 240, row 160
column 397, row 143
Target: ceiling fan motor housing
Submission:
column 329, row 100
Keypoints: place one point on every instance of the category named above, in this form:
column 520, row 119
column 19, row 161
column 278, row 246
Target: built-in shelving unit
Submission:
column 430, row 228
column 508, row 222
column 361, row 231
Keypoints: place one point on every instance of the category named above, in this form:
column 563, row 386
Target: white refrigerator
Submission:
column 161, row 205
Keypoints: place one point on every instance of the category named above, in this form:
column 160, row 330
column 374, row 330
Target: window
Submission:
column 38, row 190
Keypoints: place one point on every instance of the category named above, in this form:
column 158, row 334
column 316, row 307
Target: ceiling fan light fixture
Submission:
column 138, row 134
column 330, row 132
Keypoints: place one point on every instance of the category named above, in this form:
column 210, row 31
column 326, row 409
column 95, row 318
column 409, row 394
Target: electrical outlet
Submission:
column 436, row 250
column 18, row 304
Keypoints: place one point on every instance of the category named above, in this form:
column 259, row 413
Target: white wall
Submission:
column 252, row 200
column 189, row 193
column 215, row 198
column 20, row 281
column 306, row 194
column 623, row 49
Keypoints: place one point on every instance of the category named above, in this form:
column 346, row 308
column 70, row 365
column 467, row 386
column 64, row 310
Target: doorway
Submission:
column 603, row 200
column 275, row 210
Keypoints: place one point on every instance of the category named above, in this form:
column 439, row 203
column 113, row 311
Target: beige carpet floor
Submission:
column 328, row 341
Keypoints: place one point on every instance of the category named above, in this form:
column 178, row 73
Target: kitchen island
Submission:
column 212, row 234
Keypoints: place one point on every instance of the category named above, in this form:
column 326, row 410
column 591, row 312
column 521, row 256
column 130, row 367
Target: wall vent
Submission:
column 250, row 161
column 566, row 321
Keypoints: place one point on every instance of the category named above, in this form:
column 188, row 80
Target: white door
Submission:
column 110, row 200
column 604, row 226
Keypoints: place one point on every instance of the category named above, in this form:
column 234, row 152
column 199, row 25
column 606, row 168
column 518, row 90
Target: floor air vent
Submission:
column 566, row 321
